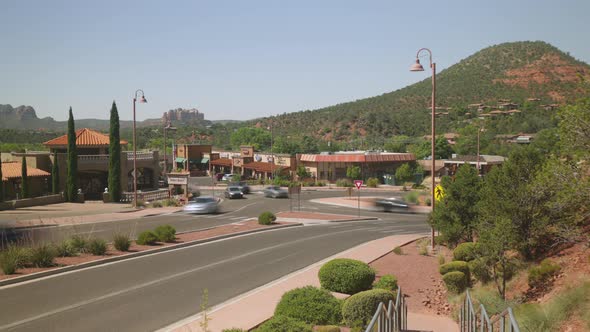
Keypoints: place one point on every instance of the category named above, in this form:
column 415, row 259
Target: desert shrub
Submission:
column 327, row 328
column 466, row 252
column 346, row 276
column 428, row 201
column 266, row 218
column 441, row 259
column 311, row 305
column 361, row 307
column 97, row 247
column 7, row 263
column 171, row 202
column 121, row 242
column 140, row 203
column 456, row 281
column 541, row 274
column 372, row 182
column 398, row 250
column 284, row 324
column 14, row 257
column 480, row 270
column 147, row 238
column 455, row 266
column 387, row 282
column 343, row 183
column 79, row 243
column 43, row 255
column 321, row 184
column 411, row 197
column 165, row 233
column 65, row 249
column 157, row 204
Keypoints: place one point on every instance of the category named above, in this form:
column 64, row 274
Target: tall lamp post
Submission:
column 167, row 127
column 141, row 100
column 418, row 67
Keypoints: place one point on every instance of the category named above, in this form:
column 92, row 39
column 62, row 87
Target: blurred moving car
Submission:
column 203, row 204
column 233, row 192
column 392, row 205
column 275, row 192
column 244, row 187
column 229, row 177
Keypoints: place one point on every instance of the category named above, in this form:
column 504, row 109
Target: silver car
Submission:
column 275, row 192
column 392, row 205
column 204, row 204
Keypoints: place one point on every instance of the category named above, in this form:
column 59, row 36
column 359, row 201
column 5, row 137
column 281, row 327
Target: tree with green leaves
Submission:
column 442, row 149
column 55, row 175
column 574, row 128
column 24, row 188
column 353, row 172
column 71, row 192
column 404, row 173
column 114, row 156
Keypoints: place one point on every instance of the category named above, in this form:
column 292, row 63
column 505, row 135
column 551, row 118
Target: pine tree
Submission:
column 55, row 175
column 1, row 183
column 114, row 156
column 24, row 188
column 72, row 173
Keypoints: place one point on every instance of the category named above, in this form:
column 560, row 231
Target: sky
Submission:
column 239, row 60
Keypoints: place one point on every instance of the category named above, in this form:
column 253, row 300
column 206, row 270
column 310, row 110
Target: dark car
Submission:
column 244, row 187
column 392, row 205
column 233, row 192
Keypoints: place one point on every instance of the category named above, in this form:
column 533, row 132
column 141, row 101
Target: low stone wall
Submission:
column 27, row 202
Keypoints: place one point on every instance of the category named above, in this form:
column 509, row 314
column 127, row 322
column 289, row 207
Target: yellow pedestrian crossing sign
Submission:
column 439, row 192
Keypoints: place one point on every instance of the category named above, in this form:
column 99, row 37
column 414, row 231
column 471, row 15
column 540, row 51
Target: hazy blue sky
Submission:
column 247, row 59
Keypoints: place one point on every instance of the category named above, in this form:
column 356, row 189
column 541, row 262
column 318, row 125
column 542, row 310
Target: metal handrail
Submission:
column 469, row 322
column 394, row 318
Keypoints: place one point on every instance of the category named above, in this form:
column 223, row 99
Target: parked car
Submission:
column 392, row 205
column 275, row 192
column 219, row 176
column 203, row 204
column 227, row 177
column 233, row 192
column 244, row 187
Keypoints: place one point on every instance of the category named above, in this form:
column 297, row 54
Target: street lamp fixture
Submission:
column 418, row 67
column 143, row 101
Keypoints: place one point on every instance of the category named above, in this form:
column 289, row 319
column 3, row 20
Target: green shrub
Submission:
column 97, row 247
column 121, row 242
column 455, row 266
column 13, row 258
column 140, row 203
column 311, row 305
column 346, row 276
column 43, row 255
column 79, row 243
column 480, row 270
column 387, row 282
column 327, row 328
column 466, row 252
column 157, row 204
column 411, row 197
column 456, row 281
column 398, row 250
column 361, row 307
column 343, row 183
column 284, row 324
column 441, row 259
column 541, row 274
column 266, row 218
column 428, row 201
column 171, row 202
column 165, row 233
column 372, row 182
column 65, row 249
column 8, row 263
column 147, row 238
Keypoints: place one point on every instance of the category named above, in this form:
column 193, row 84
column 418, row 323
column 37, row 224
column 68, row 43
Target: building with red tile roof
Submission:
column 12, row 180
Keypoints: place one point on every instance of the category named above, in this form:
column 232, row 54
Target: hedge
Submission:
column 387, row 282
column 346, row 276
column 284, row 324
column 311, row 305
column 465, row 252
column 456, row 281
column 360, row 307
column 455, row 266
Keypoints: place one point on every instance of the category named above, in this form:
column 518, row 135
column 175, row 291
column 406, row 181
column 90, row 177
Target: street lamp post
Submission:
column 418, row 67
column 167, row 127
column 141, row 100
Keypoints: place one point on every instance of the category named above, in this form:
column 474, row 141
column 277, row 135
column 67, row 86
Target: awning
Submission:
column 199, row 161
column 180, row 159
column 204, row 160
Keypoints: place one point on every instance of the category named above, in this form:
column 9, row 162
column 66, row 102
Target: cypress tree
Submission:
column 55, row 175
column 24, row 188
column 72, row 172
column 1, row 183
column 114, row 156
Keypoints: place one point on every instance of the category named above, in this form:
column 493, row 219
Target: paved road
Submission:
column 153, row 291
column 231, row 211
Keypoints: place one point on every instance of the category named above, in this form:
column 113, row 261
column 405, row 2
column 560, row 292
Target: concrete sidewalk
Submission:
column 253, row 308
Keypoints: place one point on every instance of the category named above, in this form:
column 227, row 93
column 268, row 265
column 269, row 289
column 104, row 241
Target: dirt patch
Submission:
column 418, row 278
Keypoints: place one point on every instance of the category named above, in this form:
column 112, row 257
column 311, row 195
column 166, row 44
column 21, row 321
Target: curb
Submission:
column 81, row 266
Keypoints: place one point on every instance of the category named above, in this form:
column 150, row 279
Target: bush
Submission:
column 121, row 242
column 372, row 182
column 65, row 249
column 266, row 218
column 97, row 247
column 466, row 252
column 43, row 256
column 79, row 243
column 428, row 201
column 455, row 266
column 441, row 259
column 411, row 197
column 346, row 276
column 140, row 204
column 171, row 202
column 387, row 282
column 343, row 183
column 157, row 204
column 147, row 238
column 284, row 324
column 398, row 250
column 327, row 328
column 361, row 307
column 456, row 281
column 311, row 305
column 8, row 263
column 14, row 257
column 480, row 270
column 541, row 274
column 165, row 233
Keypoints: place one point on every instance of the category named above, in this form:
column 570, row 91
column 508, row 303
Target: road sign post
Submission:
column 358, row 184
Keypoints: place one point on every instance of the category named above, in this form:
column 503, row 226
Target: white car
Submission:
column 204, row 204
